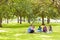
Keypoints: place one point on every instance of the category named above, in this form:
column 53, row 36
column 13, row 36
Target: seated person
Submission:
column 39, row 29
column 50, row 29
column 31, row 29
column 44, row 29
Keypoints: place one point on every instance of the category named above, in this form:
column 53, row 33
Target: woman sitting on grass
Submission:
column 39, row 29
column 31, row 29
column 44, row 29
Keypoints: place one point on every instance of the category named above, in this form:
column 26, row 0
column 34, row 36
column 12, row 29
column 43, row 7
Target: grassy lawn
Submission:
column 20, row 33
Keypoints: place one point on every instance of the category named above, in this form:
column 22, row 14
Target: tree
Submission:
column 2, row 8
column 52, row 11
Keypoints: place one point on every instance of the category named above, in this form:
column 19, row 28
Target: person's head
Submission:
column 50, row 26
column 39, row 26
column 43, row 24
column 33, row 26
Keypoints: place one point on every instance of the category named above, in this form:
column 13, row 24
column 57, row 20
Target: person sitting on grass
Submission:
column 31, row 29
column 50, row 28
column 44, row 29
column 39, row 29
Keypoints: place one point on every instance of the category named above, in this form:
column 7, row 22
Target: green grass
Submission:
column 17, row 25
column 20, row 32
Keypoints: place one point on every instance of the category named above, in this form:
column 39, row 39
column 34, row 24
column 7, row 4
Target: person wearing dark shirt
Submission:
column 44, row 29
column 39, row 29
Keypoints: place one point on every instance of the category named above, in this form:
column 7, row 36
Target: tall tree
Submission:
column 2, row 9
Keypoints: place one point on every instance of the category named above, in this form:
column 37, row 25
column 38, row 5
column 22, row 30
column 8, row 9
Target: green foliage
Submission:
column 29, row 9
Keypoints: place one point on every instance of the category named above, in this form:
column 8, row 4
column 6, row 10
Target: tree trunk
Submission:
column 20, row 20
column 17, row 19
column 48, row 20
column 42, row 18
column 24, row 19
column 7, row 20
column 0, row 22
column 28, row 20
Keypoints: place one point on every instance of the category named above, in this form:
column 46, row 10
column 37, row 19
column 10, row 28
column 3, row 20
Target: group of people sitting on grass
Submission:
column 42, row 28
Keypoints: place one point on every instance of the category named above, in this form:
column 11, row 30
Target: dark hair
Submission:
column 49, row 25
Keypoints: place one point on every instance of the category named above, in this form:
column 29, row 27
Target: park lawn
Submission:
column 21, row 34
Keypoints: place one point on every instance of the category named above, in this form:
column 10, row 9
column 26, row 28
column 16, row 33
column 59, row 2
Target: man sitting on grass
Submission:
column 50, row 29
column 39, row 29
